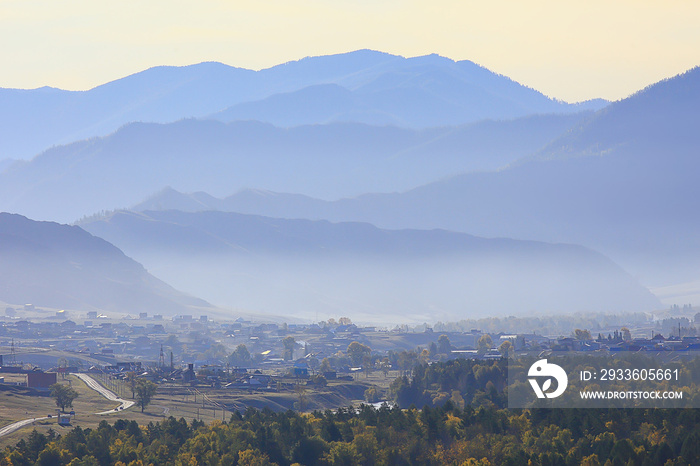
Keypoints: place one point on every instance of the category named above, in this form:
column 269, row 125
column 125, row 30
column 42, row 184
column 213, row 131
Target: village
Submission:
column 242, row 356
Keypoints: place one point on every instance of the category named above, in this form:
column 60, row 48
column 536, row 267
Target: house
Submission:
column 300, row 369
column 41, row 380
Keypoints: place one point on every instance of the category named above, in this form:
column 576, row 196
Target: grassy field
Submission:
column 16, row 406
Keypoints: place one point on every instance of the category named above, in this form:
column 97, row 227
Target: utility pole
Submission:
column 13, row 360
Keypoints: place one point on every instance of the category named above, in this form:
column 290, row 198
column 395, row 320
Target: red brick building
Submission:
column 36, row 379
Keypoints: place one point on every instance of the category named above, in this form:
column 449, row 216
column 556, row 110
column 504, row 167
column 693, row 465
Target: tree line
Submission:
column 442, row 435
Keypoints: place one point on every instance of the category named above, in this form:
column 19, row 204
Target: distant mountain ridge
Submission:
column 34, row 120
column 306, row 267
column 419, row 99
column 661, row 116
column 328, row 161
column 64, row 267
column 622, row 181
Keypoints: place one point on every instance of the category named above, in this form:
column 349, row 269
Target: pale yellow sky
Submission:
column 571, row 50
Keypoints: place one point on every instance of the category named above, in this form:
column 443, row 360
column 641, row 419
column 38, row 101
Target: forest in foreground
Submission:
column 445, row 435
column 462, row 423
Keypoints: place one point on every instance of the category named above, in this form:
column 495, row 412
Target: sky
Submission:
column 570, row 50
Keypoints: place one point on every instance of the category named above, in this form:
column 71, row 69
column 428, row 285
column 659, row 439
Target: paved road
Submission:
column 92, row 383
column 18, row 425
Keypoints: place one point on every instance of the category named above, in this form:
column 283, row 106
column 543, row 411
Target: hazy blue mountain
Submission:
column 622, row 182
column 64, row 267
column 317, row 269
column 327, row 161
column 435, row 92
column 319, row 104
column 244, row 201
column 656, row 121
column 170, row 199
column 33, row 120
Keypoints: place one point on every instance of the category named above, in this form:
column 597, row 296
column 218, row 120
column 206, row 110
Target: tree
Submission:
column 215, row 351
column 406, row 360
column 357, row 351
column 432, row 349
column 288, row 343
column 484, row 344
column 253, row 457
column 690, row 450
column 582, row 334
column 506, row 349
column 303, row 398
column 385, row 365
column 371, row 395
column 444, row 346
column 64, row 395
column 325, row 366
column 131, row 382
column 591, row 460
column 240, row 356
column 343, row 453
column 367, row 364
column 145, row 391
column 50, row 455
column 424, row 356
column 626, row 334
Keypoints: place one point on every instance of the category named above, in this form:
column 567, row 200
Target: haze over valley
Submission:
column 366, row 184
column 316, row 268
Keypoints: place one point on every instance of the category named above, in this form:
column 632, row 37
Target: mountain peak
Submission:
column 431, row 59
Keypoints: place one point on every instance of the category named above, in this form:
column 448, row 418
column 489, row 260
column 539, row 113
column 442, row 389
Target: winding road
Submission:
column 90, row 382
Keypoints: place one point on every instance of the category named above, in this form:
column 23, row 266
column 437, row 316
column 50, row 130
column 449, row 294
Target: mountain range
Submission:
column 621, row 181
column 362, row 86
column 327, row 161
column 64, row 267
column 317, row 268
column 371, row 183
